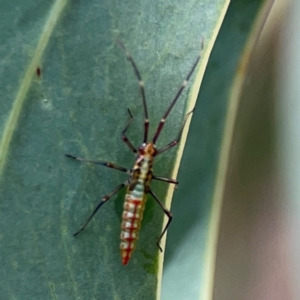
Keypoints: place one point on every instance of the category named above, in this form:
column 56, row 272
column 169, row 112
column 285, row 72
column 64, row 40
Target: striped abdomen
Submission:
column 131, row 220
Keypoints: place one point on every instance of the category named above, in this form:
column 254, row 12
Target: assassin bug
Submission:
column 141, row 175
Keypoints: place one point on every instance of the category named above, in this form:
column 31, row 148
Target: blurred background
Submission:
column 258, row 247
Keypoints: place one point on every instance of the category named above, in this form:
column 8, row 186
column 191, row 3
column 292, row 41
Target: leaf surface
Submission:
column 65, row 88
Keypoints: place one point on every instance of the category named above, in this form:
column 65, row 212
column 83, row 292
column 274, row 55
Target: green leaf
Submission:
column 65, row 88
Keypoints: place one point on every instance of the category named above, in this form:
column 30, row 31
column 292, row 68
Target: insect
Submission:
column 141, row 175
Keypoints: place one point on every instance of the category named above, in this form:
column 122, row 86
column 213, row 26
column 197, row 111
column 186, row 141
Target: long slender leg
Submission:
column 169, row 180
column 177, row 140
column 141, row 84
column 99, row 162
column 167, row 212
column 124, row 137
column 104, row 200
column 162, row 121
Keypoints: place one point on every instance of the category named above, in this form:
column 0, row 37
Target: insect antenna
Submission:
column 162, row 121
column 142, row 89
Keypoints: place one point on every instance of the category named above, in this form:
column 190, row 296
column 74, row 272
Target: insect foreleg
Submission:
column 104, row 200
column 99, row 162
column 124, row 137
column 142, row 89
column 167, row 212
column 177, row 140
column 162, row 121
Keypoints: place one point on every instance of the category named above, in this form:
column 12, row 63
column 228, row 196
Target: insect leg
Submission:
column 183, row 85
column 100, row 162
column 167, row 212
column 124, row 137
column 169, row 180
column 177, row 140
column 104, row 200
column 142, row 89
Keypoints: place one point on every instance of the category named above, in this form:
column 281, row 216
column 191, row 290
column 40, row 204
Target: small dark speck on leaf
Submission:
column 38, row 72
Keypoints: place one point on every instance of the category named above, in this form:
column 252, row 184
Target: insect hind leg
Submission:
column 169, row 215
column 104, row 200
